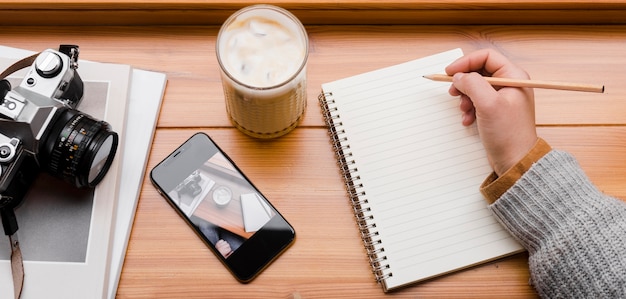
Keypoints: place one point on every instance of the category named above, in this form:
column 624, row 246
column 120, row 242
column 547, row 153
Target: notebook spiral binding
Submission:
column 358, row 199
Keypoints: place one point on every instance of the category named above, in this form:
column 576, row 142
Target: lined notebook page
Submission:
column 420, row 169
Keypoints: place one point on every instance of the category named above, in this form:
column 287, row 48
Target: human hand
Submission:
column 224, row 248
column 505, row 116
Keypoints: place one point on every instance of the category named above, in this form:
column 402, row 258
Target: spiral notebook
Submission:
column 413, row 172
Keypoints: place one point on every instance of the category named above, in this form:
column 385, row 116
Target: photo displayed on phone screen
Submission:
column 222, row 206
column 218, row 200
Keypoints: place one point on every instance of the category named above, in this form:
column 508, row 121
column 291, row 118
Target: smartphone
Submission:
column 223, row 207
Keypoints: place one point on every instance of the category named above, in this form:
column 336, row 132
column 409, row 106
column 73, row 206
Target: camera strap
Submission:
column 7, row 214
column 17, row 266
column 23, row 63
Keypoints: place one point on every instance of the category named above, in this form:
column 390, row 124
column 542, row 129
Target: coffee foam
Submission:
column 261, row 50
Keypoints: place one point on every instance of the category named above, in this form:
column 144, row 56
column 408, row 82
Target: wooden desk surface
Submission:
column 298, row 172
column 214, row 12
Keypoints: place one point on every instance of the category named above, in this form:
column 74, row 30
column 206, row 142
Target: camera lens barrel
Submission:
column 79, row 149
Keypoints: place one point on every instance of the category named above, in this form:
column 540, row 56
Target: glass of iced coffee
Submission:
column 262, row 51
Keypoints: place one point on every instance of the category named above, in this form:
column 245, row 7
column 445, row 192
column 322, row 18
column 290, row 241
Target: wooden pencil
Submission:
column 508, row 82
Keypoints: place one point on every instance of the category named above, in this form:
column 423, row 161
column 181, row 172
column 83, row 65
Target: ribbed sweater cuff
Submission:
column 569, row 228
column 493, row 187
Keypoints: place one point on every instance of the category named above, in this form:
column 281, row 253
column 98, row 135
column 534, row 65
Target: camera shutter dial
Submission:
column 48, row 64
column 8, row 150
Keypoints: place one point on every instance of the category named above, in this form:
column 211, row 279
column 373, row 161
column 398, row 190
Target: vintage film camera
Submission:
column 40, row 129
column 191, row 186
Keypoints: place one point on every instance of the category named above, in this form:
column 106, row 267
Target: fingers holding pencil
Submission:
column 501, row 72
column 509, row 82
column 504, row 117
column 487, row 62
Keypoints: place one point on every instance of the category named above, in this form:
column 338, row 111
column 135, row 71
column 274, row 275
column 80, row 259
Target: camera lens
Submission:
column 79, row 149
column 101, row 157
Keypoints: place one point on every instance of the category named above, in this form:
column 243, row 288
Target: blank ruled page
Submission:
column 420, row 168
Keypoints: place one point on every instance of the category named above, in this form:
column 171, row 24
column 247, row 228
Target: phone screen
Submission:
column 224, row 208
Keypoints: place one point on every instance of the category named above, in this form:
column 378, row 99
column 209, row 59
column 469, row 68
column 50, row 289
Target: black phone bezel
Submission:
column 257, row 252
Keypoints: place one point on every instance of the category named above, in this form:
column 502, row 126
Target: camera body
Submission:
column 40, row 128
column 191, row 186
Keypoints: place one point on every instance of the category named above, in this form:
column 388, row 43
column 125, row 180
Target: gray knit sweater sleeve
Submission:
column 575, row 235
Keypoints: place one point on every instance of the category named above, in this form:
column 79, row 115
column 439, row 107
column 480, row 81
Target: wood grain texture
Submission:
column 589, row 54
column 327, row 260
column 202, row 12
column 298, row 172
